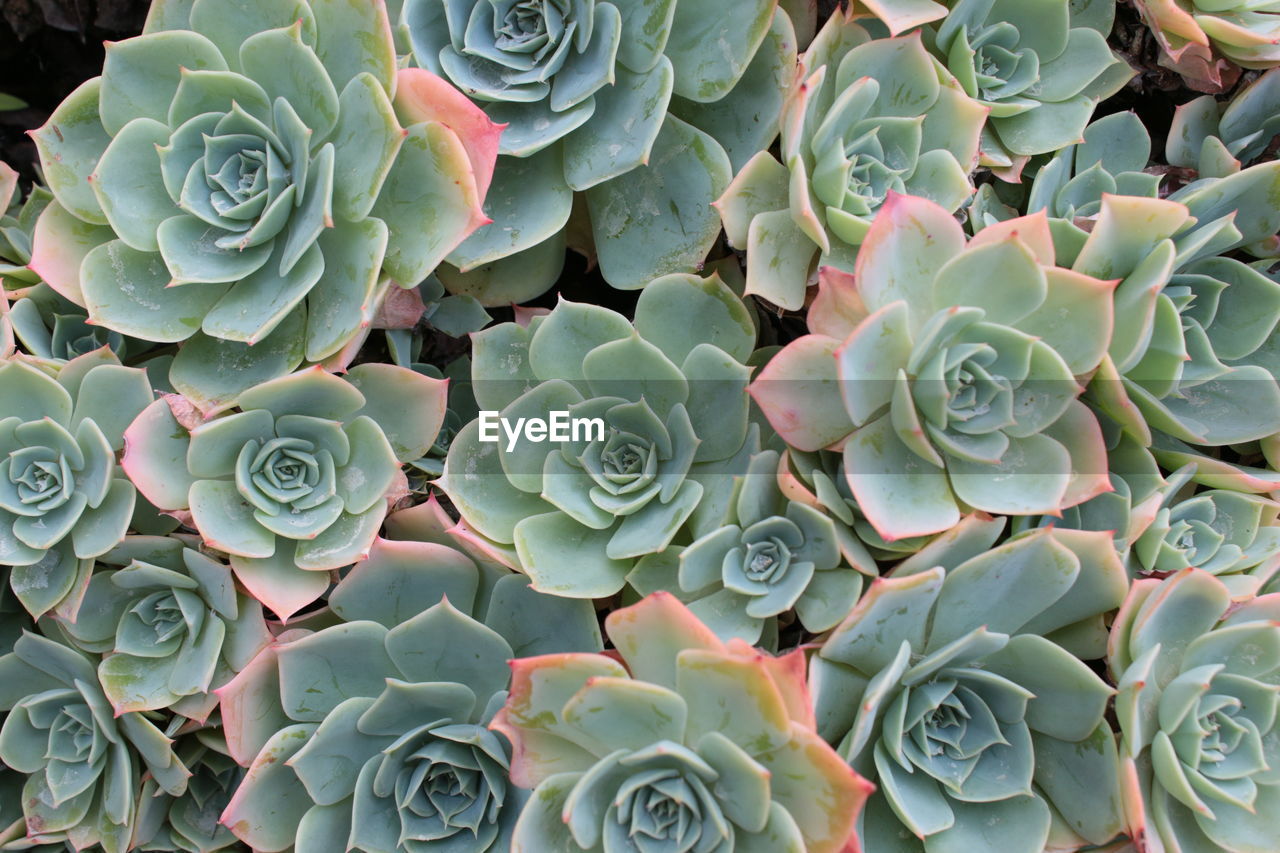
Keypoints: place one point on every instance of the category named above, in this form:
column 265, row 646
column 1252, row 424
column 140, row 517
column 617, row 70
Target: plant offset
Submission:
column 647, row 426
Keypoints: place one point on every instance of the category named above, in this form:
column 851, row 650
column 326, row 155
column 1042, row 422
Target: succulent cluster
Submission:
column 922, row 496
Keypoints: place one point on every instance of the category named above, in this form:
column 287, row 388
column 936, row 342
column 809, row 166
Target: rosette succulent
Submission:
column 1040, row 68
column 679, row 742
column 1199, row 687
column 1228, row 534
column 189, row 822
column 1209, row 41
column 769, row 556
column 953, row 387
column 1194, row 352
column 620, row 100
column 957, row 690
column 370, row 734
column 240, row 175
column 1215, row 138
column 171, row 624
column 296, row 482
column 83, row 764
column 1071, row 185
column 659, row 411
column 871, row 117
column 63, row 500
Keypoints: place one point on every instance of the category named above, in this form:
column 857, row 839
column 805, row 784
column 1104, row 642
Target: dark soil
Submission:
column 47, row 49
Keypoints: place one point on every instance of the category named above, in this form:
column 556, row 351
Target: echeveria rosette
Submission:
column 575, row 515
column 1209, row 41
column 1193, row 357
column 770, row 555
column 678, row 742
column 265, row 182
column 83, row 763
column 371, row 734
column 296, row 482
column 1231, row 535
column 619, row 100
column 1198, row 688
column 189, row 822
column 63, row 499
column 870, row 117
column 953, row 385
column 1216, row 139
column 1071, row 184
column 171, row 624
column 1040, row 68
column 957, row 690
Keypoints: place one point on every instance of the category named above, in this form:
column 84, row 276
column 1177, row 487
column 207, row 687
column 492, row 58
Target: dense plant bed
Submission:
column 665, row 426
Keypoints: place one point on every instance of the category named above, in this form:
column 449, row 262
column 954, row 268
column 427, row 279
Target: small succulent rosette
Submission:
column 255, row 174
column 171, row 624
column 676, row 742
column 661, row 420
column 1199, row 691
column 958, row 689
column 188, row 822
column 1232, row 535
column 83, row 763
column 1040, row 68
column 948, row 373
column 872, row 116
column 1208, row 42
column 1217, row 138
column 769, row 558
column 1193, row 355
column 63, row 498
column 1072, row 183
column 296, row 481
column 620, row 101
column 370, row 734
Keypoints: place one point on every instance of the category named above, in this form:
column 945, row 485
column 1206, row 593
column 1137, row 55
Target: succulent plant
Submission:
column 871, row 117
column 18, row 217
column 1228, row 534
column 1193, row 353
column 1215, row 138
column 1196, row 711
column 63, row 500
column 171, row 624
column 370, row 734
column 296, row 482
column 1040, row 68
column 668, row 393
column 950, row 390
column 189, row 822
column 956, row 689
column 679, row 742
column 1205, row 40
column 82, row 763
column 1072, row 183
column 769, row 555
column 257, row 175
column 619, row 100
